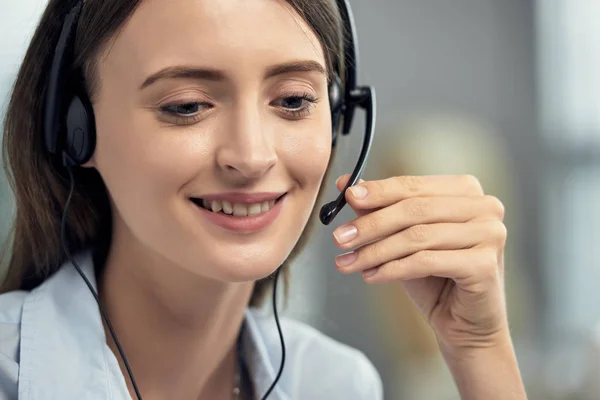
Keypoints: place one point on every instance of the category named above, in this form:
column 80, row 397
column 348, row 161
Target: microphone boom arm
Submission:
column 363, row 97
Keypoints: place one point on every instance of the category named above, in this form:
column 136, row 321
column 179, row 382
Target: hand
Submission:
column 444, row 239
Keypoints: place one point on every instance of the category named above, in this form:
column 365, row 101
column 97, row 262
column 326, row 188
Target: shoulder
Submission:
column 317, row 366
column 11, row 308
column 45, row 338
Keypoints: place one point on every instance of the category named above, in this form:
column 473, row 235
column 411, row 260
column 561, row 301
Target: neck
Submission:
column 178, row 330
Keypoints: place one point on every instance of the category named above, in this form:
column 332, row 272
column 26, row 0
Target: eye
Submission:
column 293, row 102
column 297, row 105
column 184, row 113
column 184, row 109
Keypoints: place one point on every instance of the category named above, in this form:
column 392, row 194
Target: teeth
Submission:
column 238, row 209
column 265, row 206
column 216, row 206
column 254, row 209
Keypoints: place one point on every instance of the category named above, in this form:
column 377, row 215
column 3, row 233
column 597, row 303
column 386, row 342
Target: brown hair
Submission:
column 41, row 191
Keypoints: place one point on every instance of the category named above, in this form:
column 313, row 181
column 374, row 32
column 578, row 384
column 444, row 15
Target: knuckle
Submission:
column 371, row 254
column 391, row 269
column 418, row 233
column 417, row 207
column 499, row 232
column 473, row 183
column 410, row 183
column 371, row 223
column 495, row 205
column 425, row 258
column 489, row 265
column 376, row 189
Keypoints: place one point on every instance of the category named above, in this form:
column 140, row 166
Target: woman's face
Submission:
column 213, row 104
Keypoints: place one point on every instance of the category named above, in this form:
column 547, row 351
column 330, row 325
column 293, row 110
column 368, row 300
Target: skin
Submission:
column 444, row 239
column 174, row 279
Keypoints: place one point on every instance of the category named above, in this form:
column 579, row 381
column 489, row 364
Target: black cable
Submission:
column 89, row 285
column 280, row 335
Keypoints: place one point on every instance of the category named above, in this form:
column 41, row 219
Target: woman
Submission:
column 202, row 109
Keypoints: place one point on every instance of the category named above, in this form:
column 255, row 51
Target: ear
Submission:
column 91, row 163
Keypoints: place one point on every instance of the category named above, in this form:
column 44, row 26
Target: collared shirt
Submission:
column 53, row 347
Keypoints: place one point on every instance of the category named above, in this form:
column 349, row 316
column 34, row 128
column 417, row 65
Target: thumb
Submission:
column 341, row 183
column 342, row 180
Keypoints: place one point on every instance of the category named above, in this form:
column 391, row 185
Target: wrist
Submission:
column 487, row 369
column 500, row 343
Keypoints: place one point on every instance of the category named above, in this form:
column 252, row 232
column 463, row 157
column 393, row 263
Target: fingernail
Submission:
column 346, row 259
column 360, row 192
column 337, row 181
column 370, row 272
column 345, row 234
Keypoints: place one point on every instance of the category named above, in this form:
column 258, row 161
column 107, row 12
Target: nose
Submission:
column 248, row 150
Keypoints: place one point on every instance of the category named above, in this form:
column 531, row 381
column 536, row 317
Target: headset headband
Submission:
column 58, row 80
column 350, row 60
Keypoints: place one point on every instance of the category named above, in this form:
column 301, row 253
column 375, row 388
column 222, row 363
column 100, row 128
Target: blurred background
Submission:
column 506, row 90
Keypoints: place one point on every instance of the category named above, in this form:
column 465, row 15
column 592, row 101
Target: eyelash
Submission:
column 182, row 119
column 303, row 111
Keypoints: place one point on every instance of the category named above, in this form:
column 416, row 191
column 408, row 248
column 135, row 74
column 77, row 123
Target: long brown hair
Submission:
column 34, row 251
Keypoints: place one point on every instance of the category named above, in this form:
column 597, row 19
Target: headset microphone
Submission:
column 343, row 107
column 365, row 98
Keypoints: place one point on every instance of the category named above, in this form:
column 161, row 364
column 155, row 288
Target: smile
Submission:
column 236, row 209
column 240, row 214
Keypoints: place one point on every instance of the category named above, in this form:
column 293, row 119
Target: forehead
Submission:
column 224, row 34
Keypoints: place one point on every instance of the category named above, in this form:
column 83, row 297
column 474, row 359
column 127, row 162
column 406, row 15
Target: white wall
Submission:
column 17, row 23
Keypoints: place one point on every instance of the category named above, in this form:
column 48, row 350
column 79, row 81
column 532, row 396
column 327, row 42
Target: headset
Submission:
column 70, row 133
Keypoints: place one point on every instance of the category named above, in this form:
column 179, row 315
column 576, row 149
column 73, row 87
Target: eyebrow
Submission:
column 296, row 66
column 181, row 72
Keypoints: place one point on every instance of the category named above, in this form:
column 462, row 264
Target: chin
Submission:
column 245, row 269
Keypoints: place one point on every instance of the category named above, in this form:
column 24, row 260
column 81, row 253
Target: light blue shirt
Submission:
column 53, row 347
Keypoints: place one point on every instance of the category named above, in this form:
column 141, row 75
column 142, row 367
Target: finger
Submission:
column 341, row 182
column 472, row 269
column 417, row 238
column 382, row 193
column 416, row 211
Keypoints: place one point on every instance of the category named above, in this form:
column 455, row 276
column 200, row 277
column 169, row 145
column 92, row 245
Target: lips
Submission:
column 237, row 208
column 232, row 213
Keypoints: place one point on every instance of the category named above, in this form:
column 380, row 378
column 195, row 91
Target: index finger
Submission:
column 382, row 193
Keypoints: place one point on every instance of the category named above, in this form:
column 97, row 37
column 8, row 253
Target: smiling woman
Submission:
column 178, row 150
column 213, row 135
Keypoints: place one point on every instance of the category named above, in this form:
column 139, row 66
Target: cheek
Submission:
column 142, row 164
column 306, row 155
column 314, row 161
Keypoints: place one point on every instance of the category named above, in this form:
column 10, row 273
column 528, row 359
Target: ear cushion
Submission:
column 336, row 103
column 80, row 140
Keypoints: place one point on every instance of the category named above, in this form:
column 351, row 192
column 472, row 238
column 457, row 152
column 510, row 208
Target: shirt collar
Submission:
column 64, row 353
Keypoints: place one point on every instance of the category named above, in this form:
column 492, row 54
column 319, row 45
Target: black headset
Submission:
column 70, row 132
